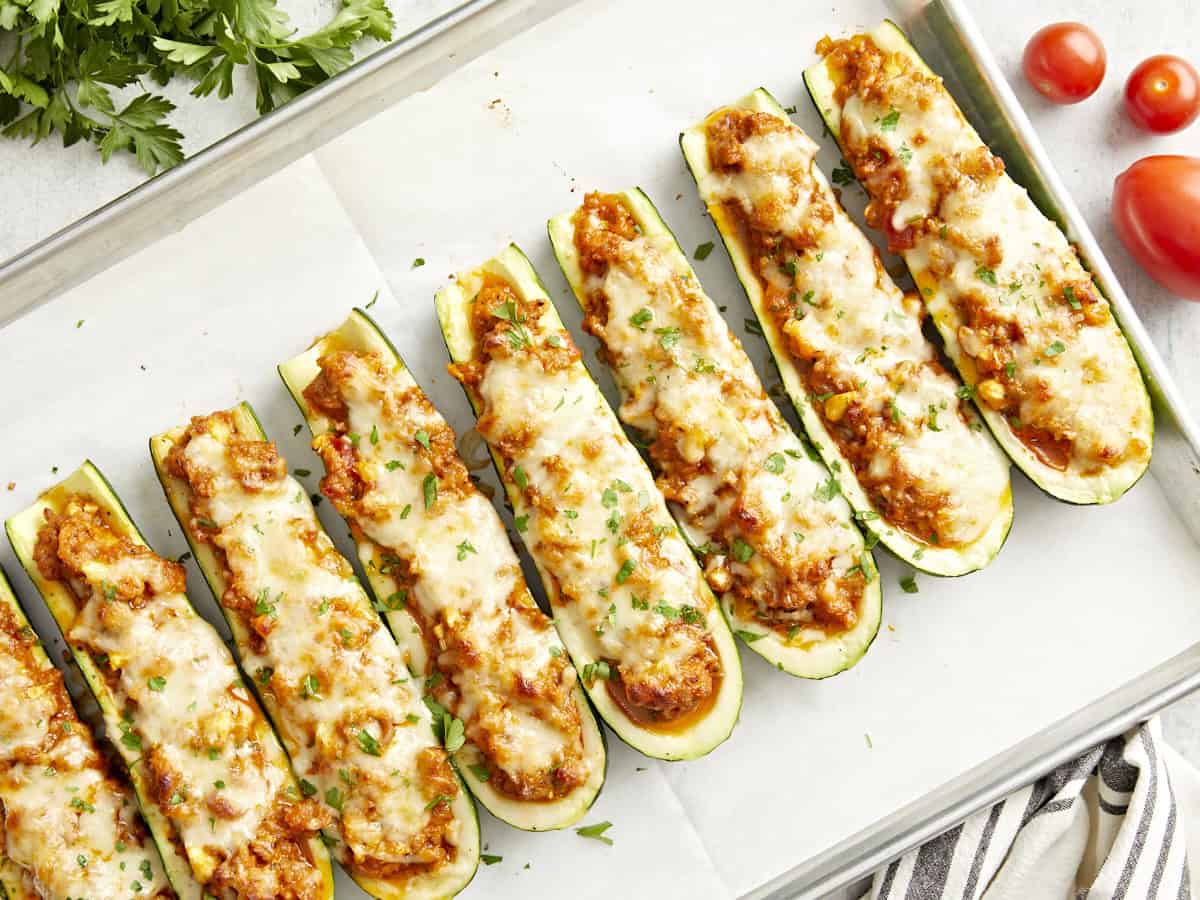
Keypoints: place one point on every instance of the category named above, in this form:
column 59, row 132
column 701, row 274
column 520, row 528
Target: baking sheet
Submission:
column 1078, row 603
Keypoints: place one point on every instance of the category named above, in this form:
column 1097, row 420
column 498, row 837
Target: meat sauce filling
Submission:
column 540, row 689
column 277, row 861
column 360, row 794
column 797, row 586
column 1040, row 311
column 506, row 326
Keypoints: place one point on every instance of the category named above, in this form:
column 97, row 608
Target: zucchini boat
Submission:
column 870, row 389
column 1030, row 333
column 650, row 643
column 207, row 763
column 71, row 825
column 329, row 674
column 777, row 540
column 448, row 581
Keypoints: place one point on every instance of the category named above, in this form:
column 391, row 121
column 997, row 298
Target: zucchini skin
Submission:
column 88, row 480
column 513, row 261
column 933, row 560
column 1079, row 491
column 798, row 663
column 12, row 874
column 361, row 332
column 251, row 427
column 22, row 534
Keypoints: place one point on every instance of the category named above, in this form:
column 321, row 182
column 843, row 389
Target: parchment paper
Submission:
column 1078, row 602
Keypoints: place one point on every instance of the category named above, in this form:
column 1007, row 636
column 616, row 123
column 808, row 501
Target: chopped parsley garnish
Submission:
column 157, row 683
column 334, row 798
column 263, row 674
column 1072, row 300
column 625, row 571
column 909, row 583
column 742, row 551
column 890, row 121
column 965, row 392
column 596, row 832
column 393, row 464
column 429, row 487
column 307, row 788
column 594, row 670
column 843, row 175
column 374, row 434
column 905, row 153
column 750, row 636
column 639, row 319
column 522, row 523
column 418, row 262
column 1010, row 369
column 986, row 275
column 830, row 488
column 422, row 438
column 480, row 771
column 263, row 606
column 775, row 463
column 703, row 250
column 302, row 473
column 932, row 421
column 437, row 801
column 668, row 337
column 464, row 548
column 753, row 327
column 311, row 687
column 518, row 336
column 490, row 859
column 367, row 742
column 639, row 603
column 1055, row 349
column 519, row 476
column 455, row 734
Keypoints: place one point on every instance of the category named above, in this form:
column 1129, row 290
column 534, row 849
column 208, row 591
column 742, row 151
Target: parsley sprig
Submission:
column 64, row 58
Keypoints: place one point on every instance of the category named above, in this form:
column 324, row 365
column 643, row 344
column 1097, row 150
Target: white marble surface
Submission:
column 1089, row 144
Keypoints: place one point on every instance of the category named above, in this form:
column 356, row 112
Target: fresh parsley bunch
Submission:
column 59, row 60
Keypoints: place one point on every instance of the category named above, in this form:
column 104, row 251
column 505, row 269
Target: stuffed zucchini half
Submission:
column 448, row 581
column 328, row 672
column 71, row 825
column 777, row 540
column 210, row 770
column 1030, row 333
column 632, row 606
column 917, row 464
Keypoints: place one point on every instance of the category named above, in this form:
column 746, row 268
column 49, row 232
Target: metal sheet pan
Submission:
column 944, row 34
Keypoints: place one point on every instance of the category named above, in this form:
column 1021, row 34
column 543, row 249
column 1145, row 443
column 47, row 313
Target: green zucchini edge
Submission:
column 176, row 493
column 360, row 332
column 1077, row 490
column 819, row 661
column 453, row 307
column 929, row 558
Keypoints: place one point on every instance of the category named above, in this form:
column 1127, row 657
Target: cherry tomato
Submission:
column 1065, row 62
column 1163, row 94
column 1156, row 212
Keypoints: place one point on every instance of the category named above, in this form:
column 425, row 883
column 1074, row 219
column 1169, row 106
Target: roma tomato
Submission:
column 1162, row 94
column 1156, row 213
column 1065, row 62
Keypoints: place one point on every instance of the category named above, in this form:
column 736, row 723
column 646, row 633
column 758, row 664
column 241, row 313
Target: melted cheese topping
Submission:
column 1048, row 353
column 506, row 676
column 72, row 827
column 773, row 530
column 349, row 711
column 875, row 381
column 592, row 516
column 178, row 702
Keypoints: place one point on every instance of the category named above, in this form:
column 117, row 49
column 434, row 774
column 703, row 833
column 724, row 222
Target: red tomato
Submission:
column 1163, row 94
column 1156, row 212
column 1065, row 62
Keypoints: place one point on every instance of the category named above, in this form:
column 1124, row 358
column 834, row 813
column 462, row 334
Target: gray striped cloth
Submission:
column 1112, row 825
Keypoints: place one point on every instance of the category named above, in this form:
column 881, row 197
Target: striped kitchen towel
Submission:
column 1111, row 825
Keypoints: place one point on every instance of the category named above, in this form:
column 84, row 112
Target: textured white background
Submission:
column 1089, row 144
